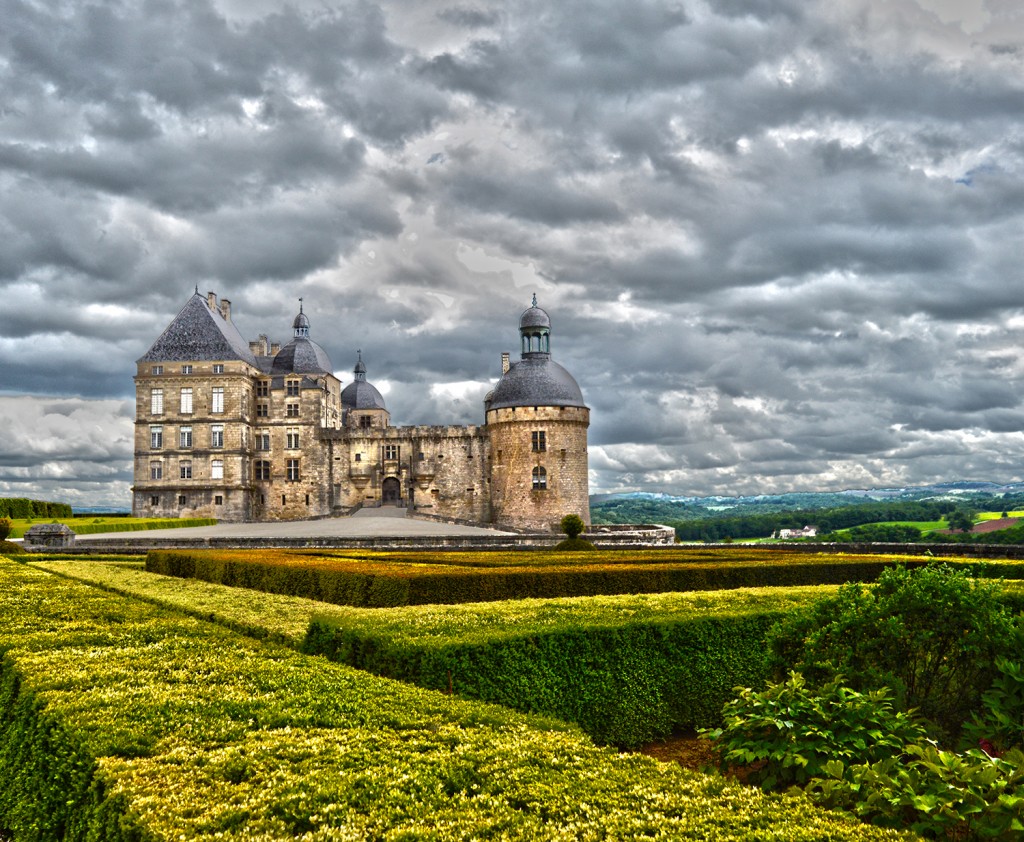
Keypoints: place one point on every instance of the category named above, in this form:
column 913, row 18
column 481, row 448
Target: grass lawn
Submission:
column 93, row 525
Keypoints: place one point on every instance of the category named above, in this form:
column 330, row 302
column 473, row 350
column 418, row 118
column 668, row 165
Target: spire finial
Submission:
column 300, row 304
column 197, row 289
column 534, row 300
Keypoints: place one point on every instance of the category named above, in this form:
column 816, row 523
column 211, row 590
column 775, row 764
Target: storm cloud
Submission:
column 779, row 241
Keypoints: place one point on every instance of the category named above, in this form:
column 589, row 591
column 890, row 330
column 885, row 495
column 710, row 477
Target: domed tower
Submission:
column 302, row 355
column 537, row 423
column 361, row 404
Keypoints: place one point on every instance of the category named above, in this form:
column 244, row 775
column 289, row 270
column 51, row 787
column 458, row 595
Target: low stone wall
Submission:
column 618, row 538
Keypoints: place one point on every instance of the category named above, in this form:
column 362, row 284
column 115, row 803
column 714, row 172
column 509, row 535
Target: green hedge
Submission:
column 625, row 686
column 22, row 507
column 381, row 583
column 128, row 722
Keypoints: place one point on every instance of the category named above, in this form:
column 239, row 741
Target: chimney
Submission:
column 505, row 365
column 211, row 300
column 225, row 309
column 274, row 348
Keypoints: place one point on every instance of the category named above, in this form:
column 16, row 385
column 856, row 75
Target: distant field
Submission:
column 91, row 526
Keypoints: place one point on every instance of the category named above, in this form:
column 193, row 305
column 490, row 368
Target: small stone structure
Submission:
column 49, row 536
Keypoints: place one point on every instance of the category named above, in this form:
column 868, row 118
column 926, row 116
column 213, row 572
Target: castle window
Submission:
column 307, row 499
column 186, row 369
column 292, row 388
column 217, row 403
column 292, row 410
column 359, row 457
column 365, row 421
column 262, row 440
column 217, row 469
column 540, row 479
column 156, row 438
column 262, row 389
column 262, row 411
column 216, row 435
column 218, row 500
column 182, row 499
column 538, row 440
column 186, row 400
column 262, row 470
column 185, row 437
column 391, row 452
column 157, row 369
column 218, row 368
column 292, row 440
column 293, row 470
column 186, row 470
column 154, row 500
column 156, row 470
column 156, row 402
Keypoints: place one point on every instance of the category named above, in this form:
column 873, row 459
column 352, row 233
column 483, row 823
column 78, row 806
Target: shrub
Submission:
column 573, row 525
column 10, row 548
column 932, row 635
column 937, row 794
column 5, row 528
column 1000, row 725
column 791, row 731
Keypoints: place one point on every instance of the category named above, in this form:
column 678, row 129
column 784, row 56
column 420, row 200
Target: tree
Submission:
column 932, row 635
column 960, row 520
column 573, row 526
column 5, row 528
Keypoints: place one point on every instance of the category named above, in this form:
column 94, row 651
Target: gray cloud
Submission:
column 778, row 241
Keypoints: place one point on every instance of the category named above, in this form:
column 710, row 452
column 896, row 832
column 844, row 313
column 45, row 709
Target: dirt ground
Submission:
column 688, row 750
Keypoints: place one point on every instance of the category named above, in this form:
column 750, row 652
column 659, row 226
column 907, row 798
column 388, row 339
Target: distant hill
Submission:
column 646, row 507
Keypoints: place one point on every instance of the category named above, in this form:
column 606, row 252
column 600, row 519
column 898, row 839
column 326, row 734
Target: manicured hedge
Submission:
column 625, row 680
column 121, row 721
column 18, row 507
column 394, row 581
column 80, row 527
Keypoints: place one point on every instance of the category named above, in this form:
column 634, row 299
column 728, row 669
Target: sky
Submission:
column 780, row 241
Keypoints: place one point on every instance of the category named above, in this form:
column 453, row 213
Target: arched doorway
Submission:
column 391, row 492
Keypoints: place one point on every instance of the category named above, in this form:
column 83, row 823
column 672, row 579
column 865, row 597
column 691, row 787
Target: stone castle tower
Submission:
column 537, row 424
column 255, row 431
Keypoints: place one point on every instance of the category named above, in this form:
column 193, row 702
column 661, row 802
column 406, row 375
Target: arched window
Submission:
column 540, row 479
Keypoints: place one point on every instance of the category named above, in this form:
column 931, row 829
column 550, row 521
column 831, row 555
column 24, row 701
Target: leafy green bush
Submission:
column 10, row 548
column 937, row 794
column 574, row 545
column 5, row 528
column 790, row 731
column 572, row 525
column 932, row 635
column 1000, row 723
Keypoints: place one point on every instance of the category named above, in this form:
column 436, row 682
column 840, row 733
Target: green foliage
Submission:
column 931, row 634
column 5, row 528
column 10, row 548
column 1000, row 723
column 21, row 507
column 574, row 545
column 937, row 794
column 960, row 521
column 892, row 533
column 134, row 723
column 572, row 525
column 790, row 731
column 393, row 579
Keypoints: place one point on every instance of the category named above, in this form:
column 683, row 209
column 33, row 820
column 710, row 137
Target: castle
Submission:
column 252, row 431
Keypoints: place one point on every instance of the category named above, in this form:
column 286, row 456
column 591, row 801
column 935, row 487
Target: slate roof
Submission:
column 536, row 380
column 301, row 356
column 197, row 333
column 359, row 394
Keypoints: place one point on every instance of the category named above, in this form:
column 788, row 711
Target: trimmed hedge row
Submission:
column 624, row 684
column 19, row 507
column 383, row 583
column 120, row 721
column 627, row 669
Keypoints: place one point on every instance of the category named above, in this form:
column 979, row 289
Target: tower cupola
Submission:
column 300, row 327
column 535, row 331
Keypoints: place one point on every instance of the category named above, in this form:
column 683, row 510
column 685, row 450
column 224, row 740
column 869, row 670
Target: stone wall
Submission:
column 516, row 497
